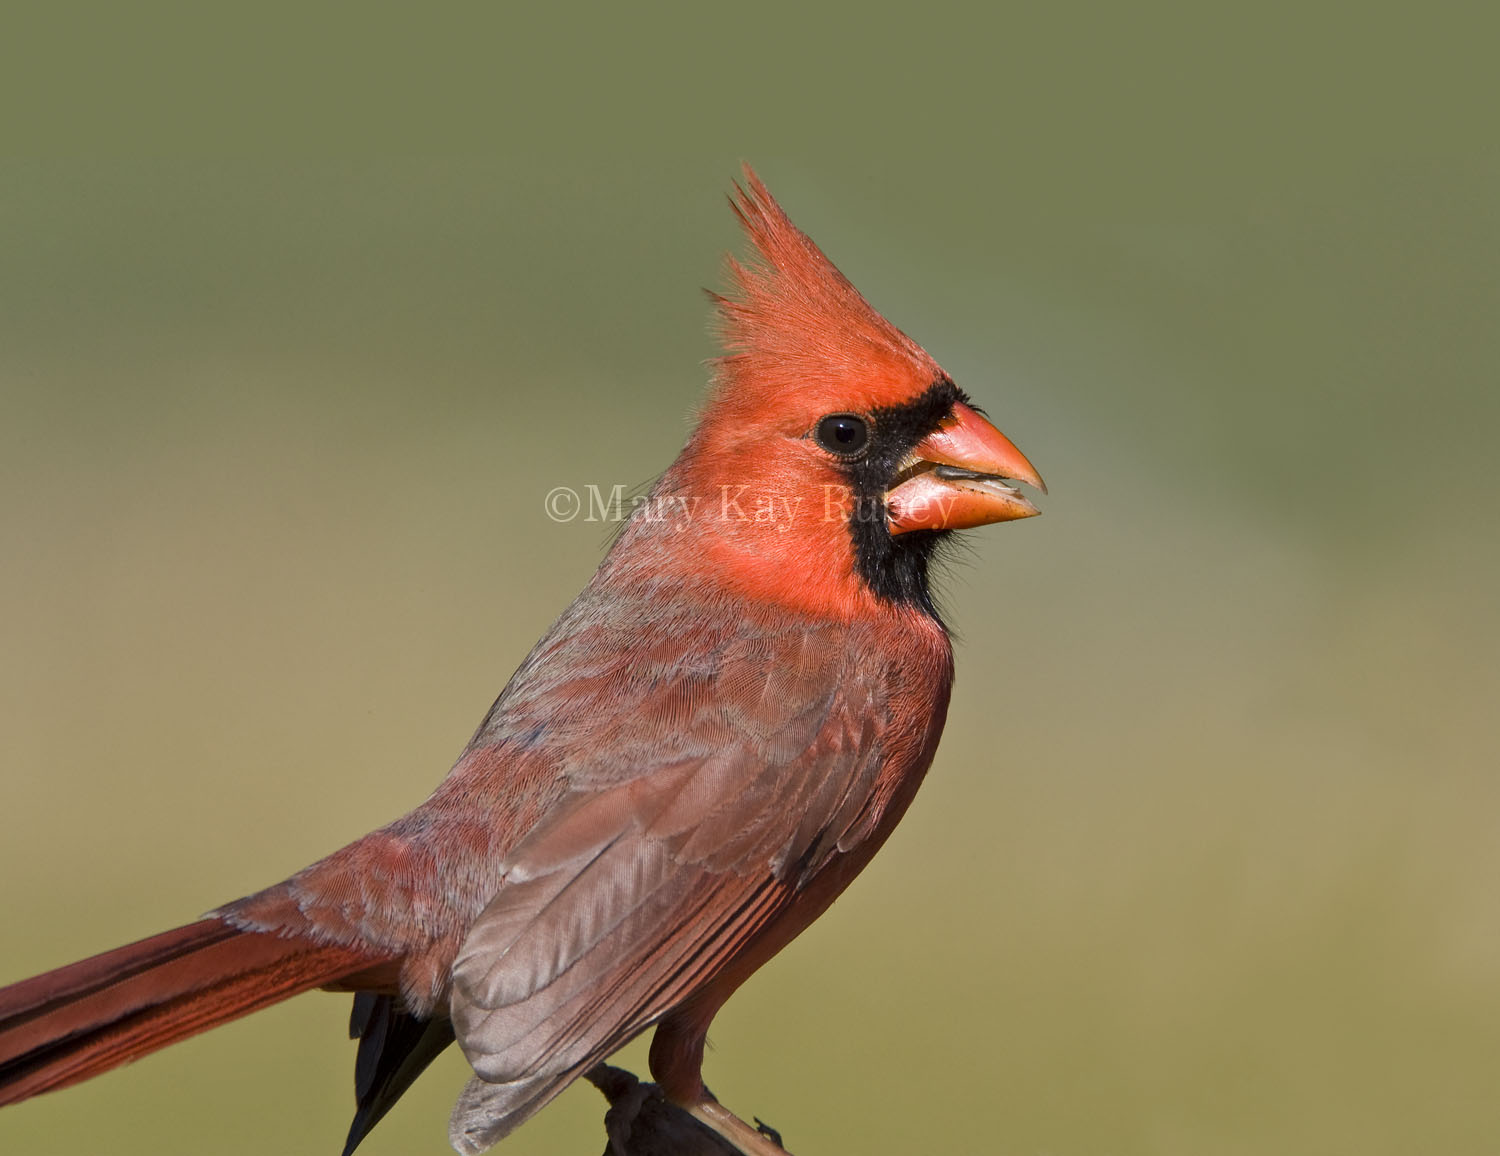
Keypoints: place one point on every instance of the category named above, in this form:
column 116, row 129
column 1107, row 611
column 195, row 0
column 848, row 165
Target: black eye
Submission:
column 843, row 434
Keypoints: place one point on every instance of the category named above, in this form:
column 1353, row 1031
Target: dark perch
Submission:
column 642, row 1122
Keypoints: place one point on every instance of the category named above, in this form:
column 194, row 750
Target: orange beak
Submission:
column 959, row 477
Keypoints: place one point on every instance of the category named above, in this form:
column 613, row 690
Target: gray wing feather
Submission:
column 659, row 865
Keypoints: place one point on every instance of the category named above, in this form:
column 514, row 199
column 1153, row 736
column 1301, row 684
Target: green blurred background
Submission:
column 303, row 312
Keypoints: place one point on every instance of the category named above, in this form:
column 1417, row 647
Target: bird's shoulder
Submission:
column 664, row 666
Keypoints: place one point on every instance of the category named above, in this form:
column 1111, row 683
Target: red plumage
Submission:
column 78, row 1021
column 708, row 745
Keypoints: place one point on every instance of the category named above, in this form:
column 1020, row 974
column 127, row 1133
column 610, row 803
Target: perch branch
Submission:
column 643, row 1122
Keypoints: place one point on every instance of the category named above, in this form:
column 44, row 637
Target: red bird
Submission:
column 711, row 742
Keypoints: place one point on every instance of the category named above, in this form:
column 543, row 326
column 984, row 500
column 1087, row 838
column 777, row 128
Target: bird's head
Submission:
column 833, row 453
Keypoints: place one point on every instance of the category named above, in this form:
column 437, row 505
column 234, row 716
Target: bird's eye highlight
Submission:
column 844, row 434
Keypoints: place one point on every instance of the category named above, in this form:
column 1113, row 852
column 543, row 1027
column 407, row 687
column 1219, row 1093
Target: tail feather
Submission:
column 81, row 1020
column 395, row 1048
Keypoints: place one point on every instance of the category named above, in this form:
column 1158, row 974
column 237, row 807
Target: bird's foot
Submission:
column 762, row 1140
column 641, row 1121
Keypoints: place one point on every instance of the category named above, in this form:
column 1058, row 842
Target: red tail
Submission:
column 78, row 1021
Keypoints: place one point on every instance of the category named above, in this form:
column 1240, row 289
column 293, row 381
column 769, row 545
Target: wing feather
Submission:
column 652, row 873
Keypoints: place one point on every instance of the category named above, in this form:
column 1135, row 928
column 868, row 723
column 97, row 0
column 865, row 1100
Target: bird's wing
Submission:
column 663, row 860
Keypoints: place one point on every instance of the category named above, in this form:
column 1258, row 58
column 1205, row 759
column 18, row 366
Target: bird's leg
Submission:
column 677, row 1065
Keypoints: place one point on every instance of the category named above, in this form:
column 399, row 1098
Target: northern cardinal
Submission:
column 692, row 764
